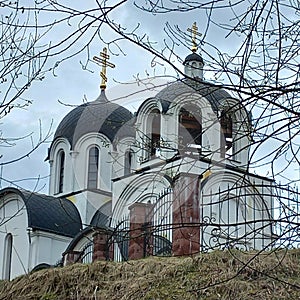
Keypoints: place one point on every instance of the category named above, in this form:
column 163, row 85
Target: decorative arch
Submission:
column 92, row 138
column 199, row 127
column 235, row 212
column 148, row 125
column 221, row 182
column 141, row 189
column 87, row 170
column 145, row 109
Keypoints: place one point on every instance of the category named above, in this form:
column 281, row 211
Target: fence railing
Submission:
column 232, row 221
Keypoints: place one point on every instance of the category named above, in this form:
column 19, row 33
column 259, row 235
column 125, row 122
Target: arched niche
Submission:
column 155, row 132
column 190, row 128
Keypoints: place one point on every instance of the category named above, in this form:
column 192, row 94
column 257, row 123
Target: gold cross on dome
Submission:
column 103, row 61
column 195, row 33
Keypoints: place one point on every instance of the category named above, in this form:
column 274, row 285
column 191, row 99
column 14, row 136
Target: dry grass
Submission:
column 217, row 275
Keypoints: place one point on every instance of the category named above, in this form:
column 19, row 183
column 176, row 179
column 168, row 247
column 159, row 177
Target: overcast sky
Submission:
column 72, row 85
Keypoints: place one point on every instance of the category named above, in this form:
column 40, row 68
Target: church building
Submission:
column 171, row 179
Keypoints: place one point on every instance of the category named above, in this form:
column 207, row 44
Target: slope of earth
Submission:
column 216, row 275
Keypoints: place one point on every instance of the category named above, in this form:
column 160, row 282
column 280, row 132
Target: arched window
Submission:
column 155, row 132
column 190, row 129
column 226, row 135
column 61, row 171
column 93, row 168
column 128, row 162
column 8, row 243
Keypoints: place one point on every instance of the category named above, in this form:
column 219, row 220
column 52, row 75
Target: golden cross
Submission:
column 195, row 33
column 102, row 61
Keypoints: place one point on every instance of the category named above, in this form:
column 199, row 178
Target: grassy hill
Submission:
column 217, row 275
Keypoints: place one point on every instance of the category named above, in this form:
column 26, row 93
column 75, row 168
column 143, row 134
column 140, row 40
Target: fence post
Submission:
column 140, row 224
column 102, row 250
column 71, row 257
column 186, row 215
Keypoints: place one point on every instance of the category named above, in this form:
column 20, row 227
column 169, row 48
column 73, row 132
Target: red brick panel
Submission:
column 186, row 216
column 140, row 224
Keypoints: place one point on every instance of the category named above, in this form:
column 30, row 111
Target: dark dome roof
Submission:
column 100, row 116
column 193, row 57
column 50, row 214
column 101, row 218
column 214, row 94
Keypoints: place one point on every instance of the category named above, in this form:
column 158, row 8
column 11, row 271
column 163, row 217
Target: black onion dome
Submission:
column 99, row 116
column 214, row 94
column 193, row 57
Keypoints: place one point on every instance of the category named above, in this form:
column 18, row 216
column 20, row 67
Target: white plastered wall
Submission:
column 118, row 156
column 13, row 220
column 232, row 198
column 241, row 132
column 46, row 247
column 80, row 163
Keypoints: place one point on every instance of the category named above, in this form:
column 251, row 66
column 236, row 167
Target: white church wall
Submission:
column 230, row 197
column 13, row 220
column 47, row 247
column 118, row 156
column 81, row 161
column 169, row 126
column 169, row 136
column 241, row 132
column 136, row 188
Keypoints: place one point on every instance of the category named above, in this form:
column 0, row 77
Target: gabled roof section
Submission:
column 50, row 214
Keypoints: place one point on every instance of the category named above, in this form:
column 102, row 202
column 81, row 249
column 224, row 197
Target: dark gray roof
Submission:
column 100, row 220
column 193, row 57
column 100, row 116
column 55, row 215
column 102, row 216
column 214, row 94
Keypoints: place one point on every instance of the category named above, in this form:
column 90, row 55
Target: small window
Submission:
column 128, row 162
column 7, row 259
column 226, row 135
column 93, row 168
column 61, row 172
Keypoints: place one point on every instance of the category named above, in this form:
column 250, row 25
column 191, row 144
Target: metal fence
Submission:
column 227, row 220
